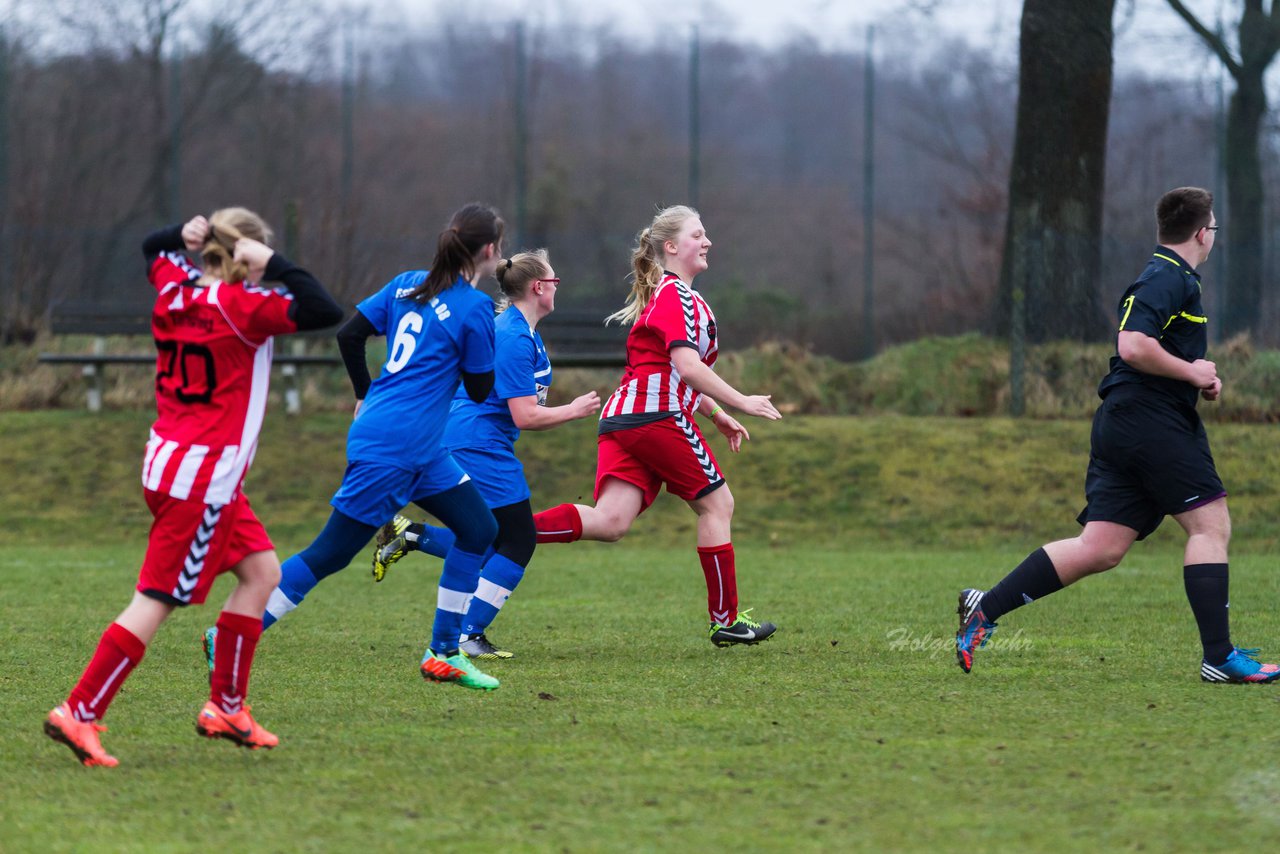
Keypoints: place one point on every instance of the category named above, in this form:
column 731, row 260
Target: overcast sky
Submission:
column 1147, row 31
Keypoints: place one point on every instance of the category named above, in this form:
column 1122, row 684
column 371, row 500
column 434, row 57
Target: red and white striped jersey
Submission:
column 651, row 387
column 213, row 365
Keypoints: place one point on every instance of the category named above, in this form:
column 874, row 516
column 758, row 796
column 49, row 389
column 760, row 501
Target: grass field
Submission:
column 619, row 727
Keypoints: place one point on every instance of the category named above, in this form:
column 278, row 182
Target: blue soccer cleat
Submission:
column 1240, row 667
column 975, row 628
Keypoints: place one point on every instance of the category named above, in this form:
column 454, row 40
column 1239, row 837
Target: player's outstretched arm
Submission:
column 528, row 415
column 706, row 381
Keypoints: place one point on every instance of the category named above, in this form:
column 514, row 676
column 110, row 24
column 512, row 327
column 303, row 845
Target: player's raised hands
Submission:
column 254, row 255
column 195, row 232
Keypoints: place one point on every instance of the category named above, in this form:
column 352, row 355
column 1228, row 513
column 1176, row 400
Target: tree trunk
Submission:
column 1242, row 227
column 1052, row 255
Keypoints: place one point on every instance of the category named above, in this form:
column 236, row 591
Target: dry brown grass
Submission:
column 966, row 375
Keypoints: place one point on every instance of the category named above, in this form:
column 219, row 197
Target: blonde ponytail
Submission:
column 514, row 275
column 226, row 226
column 646, row 268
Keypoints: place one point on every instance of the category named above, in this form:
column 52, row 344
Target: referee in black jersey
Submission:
column 1149, row 455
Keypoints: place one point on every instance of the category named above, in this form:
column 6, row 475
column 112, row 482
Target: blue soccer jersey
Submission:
column 429, row 346
column 522, row 369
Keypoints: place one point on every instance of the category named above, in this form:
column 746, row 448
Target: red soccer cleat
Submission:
column 80, row 736
column 241, row 728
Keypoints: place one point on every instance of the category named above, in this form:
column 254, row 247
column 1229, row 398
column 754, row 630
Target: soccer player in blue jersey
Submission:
column 482, row 436
column 440, row 331
column 1149, row 455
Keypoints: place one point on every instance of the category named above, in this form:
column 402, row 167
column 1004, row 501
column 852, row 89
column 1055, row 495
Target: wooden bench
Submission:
column 102, row 320
column 578, row 338
column 575, row 338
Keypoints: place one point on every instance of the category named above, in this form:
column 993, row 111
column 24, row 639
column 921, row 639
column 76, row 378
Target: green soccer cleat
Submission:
column 743, row 631
column 210, row 638
column 389, row 545
column 457, row 669
column 479, row 646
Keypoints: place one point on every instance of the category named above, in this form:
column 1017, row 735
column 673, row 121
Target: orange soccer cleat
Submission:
column 80, row 736
column 241, row 728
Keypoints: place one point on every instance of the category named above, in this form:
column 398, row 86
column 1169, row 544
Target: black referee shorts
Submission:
column 1148, row 458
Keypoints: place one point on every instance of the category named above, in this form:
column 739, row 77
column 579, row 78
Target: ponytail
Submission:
column 470, row 229
column 646, row 269
column 226, row 226
column 515, row 274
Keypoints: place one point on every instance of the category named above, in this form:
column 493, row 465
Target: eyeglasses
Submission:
column 1212, row 227
column 552, row 281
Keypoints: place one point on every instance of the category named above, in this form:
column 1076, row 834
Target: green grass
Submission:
column 833, row 481
column 619, row 727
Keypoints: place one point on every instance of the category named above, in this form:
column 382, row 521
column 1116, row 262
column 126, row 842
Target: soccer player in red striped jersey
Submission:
column 648, row 436
column 213, row 331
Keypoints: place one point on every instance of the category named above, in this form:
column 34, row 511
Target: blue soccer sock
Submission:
column 330, row 552
column 498, row 578
column 458, row 582
column 463, row 510
column 296, row 581
column 430, row 539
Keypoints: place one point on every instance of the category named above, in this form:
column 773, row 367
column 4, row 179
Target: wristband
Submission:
column 715, row 411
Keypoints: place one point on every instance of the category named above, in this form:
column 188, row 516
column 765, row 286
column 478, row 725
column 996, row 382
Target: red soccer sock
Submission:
column 232, row 659
column 722, row 583
column 562, row 524
column 118, row 652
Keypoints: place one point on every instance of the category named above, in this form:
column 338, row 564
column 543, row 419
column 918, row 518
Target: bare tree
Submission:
column 1258, row 40
column 432, row 125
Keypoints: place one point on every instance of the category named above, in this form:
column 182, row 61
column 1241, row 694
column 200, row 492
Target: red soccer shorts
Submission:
column 192, row 543
column 670, row 451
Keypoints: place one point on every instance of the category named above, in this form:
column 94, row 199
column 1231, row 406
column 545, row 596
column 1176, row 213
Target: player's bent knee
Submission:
column 1106, row 559
column 727, row 501
column 476, row 534
column 614, row 529
column 259, row 570
column 716, row 504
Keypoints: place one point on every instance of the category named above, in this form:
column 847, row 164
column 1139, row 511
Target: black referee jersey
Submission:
column 1164, row 303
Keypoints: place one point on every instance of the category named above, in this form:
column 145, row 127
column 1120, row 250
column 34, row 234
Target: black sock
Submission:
column 1032, row 579
column 1206, row 585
